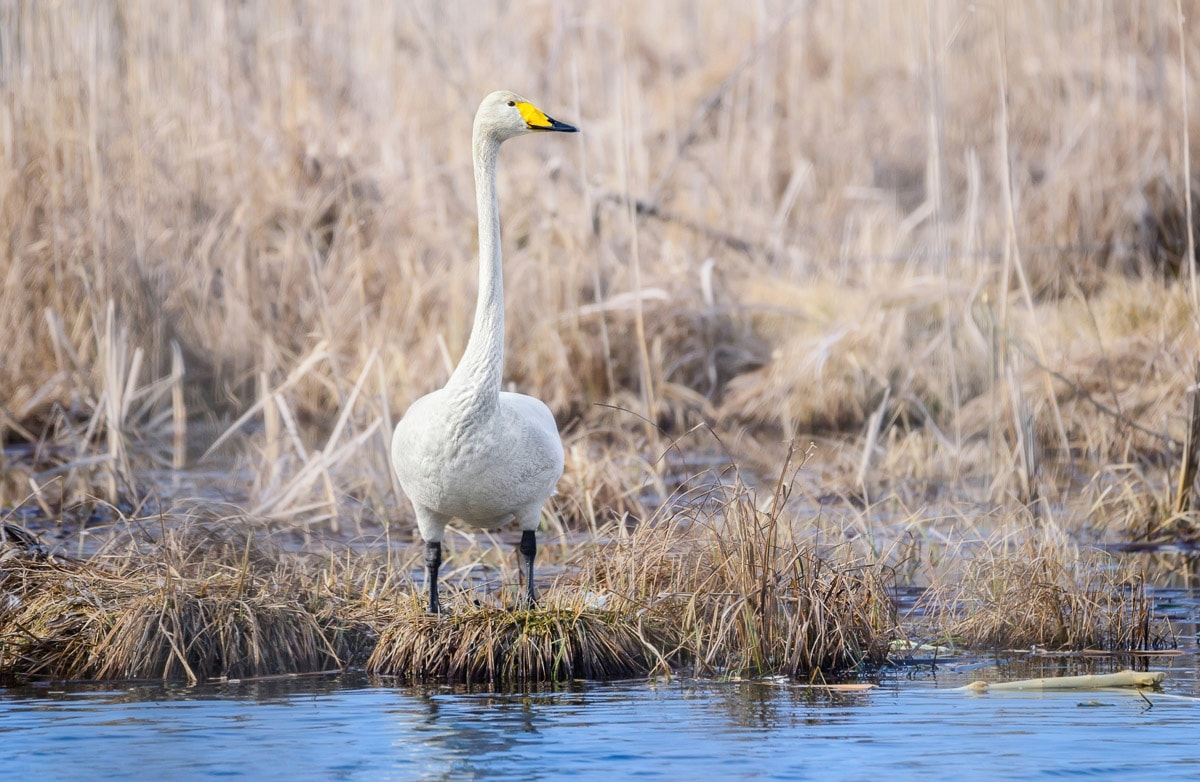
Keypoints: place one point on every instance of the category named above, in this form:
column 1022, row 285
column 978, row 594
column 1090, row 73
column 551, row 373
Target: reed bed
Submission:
column 1043, row 593
column 952, row 245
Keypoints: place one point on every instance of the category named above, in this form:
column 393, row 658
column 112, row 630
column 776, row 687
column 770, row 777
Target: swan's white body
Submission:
column 470, row 451
column 483, row 468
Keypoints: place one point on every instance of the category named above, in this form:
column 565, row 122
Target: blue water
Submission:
column 912, row 727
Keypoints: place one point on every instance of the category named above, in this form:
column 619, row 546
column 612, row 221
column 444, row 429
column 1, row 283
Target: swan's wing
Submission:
column 539, row 430
column 420, row 425
column 530, row 409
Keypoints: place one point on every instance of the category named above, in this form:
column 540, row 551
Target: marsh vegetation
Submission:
column 827, row 299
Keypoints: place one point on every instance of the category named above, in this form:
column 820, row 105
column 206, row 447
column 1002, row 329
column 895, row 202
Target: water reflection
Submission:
column 469, row 732
column 752, row 706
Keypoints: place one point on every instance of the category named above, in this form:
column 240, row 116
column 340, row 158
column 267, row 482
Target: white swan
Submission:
column 470, row 451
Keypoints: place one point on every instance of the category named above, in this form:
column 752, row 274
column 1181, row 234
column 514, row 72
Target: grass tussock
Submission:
column 170, row 613
column 736, row 592
column 746, row 594
column 563, row 638
column 1048, row 595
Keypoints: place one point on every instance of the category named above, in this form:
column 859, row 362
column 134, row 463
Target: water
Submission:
column 915, row 726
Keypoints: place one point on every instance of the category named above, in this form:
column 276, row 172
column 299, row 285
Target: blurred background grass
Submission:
column 945, row 241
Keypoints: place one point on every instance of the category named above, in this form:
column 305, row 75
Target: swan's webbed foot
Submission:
column 433, row 561
column 526, row 551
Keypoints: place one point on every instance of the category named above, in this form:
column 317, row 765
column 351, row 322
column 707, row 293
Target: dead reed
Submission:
column 952, row 240
column 742, row 590
column 1043, row 593
column 733, row 593
column 170, row 613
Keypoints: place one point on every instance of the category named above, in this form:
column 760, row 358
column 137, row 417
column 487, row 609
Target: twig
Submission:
column 646, row 208
column 1166, row 440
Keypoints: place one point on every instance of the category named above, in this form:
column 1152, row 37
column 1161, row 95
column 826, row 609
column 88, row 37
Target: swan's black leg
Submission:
column 433, row 561
column 527, row 550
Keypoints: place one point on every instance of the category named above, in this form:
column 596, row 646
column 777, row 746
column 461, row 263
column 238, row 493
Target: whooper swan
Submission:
column 470, row 451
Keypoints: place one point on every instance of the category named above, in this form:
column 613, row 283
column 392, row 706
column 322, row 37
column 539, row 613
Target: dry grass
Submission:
column 174, row 613
column 1043, row 592
column 743, row 590
column 950, row 240
column 729, row 587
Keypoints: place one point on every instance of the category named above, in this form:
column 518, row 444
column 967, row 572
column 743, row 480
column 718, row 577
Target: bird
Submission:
column 470, row 451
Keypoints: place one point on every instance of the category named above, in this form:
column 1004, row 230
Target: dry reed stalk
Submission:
column 1189, row 460
column 1126, row 678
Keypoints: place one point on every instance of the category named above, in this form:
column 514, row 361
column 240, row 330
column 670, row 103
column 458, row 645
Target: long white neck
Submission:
column 475, row 384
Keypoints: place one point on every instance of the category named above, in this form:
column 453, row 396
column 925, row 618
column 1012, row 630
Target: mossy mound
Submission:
column 489, row 644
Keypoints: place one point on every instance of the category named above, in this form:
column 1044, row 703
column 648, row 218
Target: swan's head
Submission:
column 505, row 114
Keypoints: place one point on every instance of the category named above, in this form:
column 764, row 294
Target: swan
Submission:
column 470, row 451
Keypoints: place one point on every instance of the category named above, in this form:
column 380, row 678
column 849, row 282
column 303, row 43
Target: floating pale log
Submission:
column 1124, row 678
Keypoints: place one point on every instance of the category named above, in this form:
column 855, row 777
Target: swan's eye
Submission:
column 512, row 103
